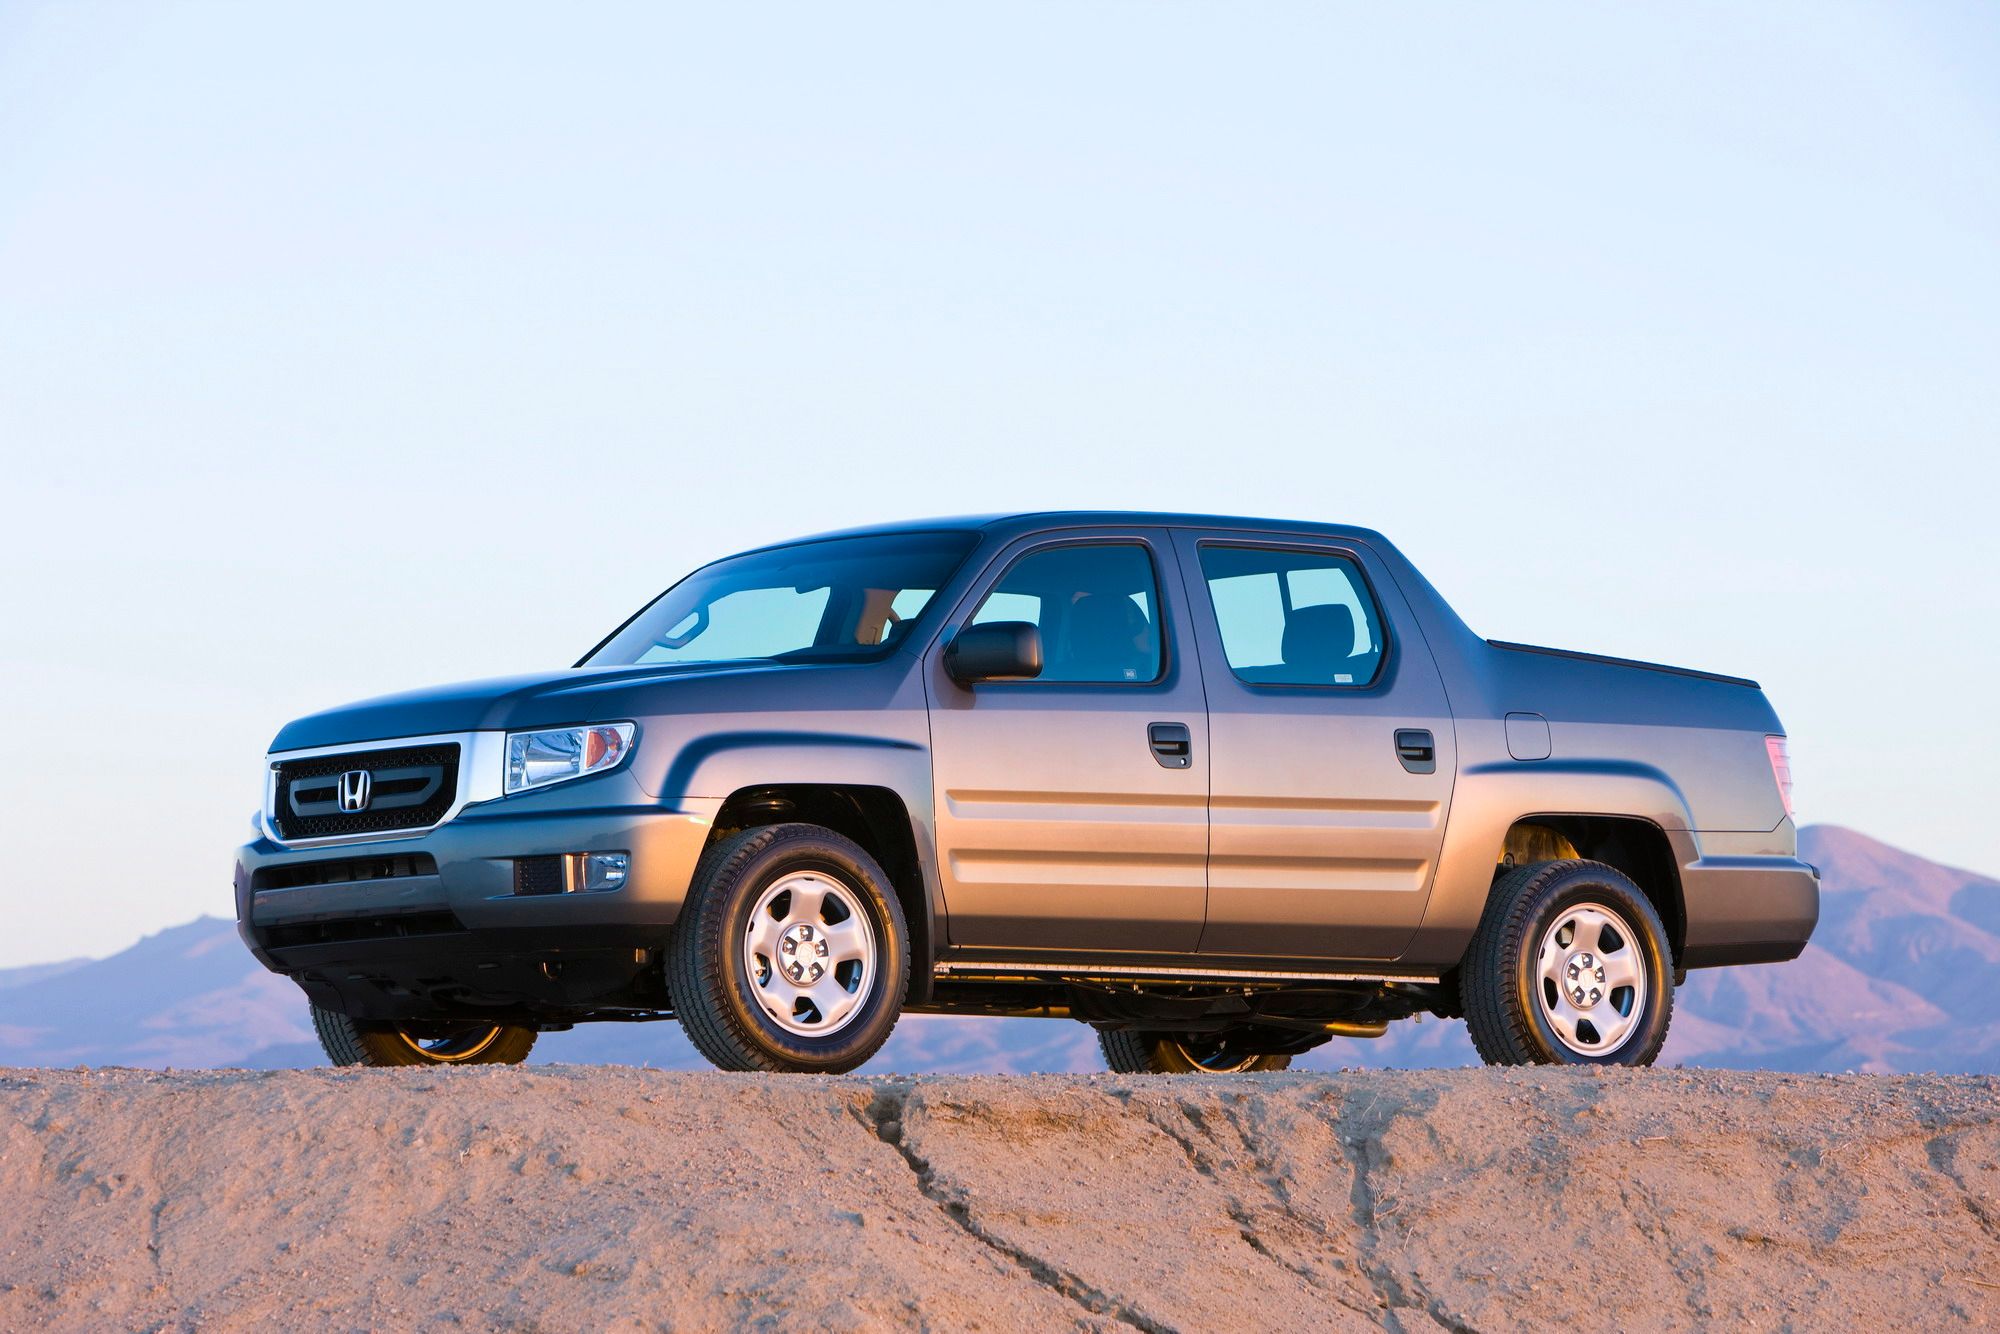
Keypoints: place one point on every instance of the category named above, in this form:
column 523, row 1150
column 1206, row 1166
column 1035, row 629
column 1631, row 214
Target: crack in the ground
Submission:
column 1656, row 1232
column 1246, row 1220
column 1354, row 1134
column 1940, row 1131
column 1942, row 1152
column 884, row 1116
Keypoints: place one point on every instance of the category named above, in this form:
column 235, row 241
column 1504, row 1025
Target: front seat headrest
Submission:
column 1109, row 638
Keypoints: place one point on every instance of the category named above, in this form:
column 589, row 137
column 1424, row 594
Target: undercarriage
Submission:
column 1266, row 1019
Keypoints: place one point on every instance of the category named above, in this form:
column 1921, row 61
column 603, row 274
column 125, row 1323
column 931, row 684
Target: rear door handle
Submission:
column 1173, row 744
column 1417, row 749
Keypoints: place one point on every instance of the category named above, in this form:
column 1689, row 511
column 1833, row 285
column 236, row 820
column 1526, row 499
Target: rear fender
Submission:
column 1491, row 798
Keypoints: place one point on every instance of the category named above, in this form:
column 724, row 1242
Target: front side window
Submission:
column 1097, row 608
column 1299, row 618
column 841, row 599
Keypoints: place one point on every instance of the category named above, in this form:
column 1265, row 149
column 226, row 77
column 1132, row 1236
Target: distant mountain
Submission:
column 35, row 972
column 1901, row 976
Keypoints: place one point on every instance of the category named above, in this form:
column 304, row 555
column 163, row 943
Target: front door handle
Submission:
column 1172, row 743
column 1417, row 749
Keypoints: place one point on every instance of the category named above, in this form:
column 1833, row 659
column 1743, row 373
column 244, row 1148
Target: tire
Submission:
column 354, row 1042
column 1138, row 1053
column 822, row 1003
column 1570, row 966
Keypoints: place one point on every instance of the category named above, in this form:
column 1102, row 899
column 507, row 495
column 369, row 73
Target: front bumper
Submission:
column 430, row 926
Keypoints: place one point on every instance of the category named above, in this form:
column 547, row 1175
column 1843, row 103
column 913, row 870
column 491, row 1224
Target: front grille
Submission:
column 343, row 872
column 407, row 788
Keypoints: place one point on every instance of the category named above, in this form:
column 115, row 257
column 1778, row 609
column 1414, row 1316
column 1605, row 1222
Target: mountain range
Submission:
column 1901, row 976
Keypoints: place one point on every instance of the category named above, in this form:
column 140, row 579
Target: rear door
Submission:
column 1072, row 809
column 1331, row 756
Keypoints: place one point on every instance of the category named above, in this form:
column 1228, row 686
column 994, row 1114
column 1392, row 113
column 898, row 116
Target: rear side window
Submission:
column 1096, row 606
column 1293, row 618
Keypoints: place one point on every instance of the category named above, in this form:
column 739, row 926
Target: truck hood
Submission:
column 549, row 699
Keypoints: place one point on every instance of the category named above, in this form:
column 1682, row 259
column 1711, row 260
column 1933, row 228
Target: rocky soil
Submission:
column 560, row 1198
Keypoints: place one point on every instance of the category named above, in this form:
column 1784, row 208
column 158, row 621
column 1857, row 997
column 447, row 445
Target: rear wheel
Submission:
column 1570, row 966
column 1143, row 1053
column 356, row 1042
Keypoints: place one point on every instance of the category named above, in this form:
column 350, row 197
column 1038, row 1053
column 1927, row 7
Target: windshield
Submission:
column 843, row 599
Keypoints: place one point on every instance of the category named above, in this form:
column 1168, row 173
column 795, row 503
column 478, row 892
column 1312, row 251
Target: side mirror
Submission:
column 996, row 651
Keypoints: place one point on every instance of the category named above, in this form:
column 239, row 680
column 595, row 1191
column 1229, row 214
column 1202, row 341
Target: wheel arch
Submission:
column 1634, row 846
column 874, row 817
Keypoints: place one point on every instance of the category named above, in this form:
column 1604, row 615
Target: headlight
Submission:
column 536, row 759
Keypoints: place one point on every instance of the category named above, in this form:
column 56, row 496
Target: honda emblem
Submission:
column 355, row 786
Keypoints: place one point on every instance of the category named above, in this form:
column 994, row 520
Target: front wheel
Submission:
column 1136, row 1053
column 792, row 953
column 355, row 1042
column 1570, row 966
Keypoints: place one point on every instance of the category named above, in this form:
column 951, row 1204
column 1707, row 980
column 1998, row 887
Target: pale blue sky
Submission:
column 352, row 348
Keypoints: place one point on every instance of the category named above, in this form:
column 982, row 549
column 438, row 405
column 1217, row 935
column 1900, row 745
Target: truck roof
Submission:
column 1031, row 521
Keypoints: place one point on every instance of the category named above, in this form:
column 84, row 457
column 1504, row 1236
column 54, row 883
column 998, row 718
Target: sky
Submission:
column 345, row 349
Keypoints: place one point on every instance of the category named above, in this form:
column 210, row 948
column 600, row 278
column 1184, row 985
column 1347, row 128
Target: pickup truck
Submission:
column 1223, row 789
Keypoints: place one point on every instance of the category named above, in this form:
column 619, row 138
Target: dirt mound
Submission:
column 584, row 1198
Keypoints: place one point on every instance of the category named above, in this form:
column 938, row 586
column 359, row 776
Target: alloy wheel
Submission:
column 809, row 953
column 1590, row 979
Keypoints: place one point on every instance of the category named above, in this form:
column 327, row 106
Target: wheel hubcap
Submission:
column 1586, row 978
column 809, row 953
column 1591, row 979
column 802, row 954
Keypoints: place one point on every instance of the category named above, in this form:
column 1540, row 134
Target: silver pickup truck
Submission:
column 1221, row 788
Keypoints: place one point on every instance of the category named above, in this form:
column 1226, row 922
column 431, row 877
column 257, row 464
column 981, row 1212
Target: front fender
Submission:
column 717, row 765
column 725, row 762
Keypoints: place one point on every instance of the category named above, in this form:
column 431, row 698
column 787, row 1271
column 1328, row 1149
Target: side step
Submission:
column 1139, row 973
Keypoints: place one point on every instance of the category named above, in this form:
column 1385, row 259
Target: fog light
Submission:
column 598, row 870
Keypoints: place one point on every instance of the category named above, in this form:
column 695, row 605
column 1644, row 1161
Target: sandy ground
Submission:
column 580, row 1198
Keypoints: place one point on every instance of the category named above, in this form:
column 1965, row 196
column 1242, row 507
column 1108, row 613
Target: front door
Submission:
column 1071, row 809
column 1332, row 754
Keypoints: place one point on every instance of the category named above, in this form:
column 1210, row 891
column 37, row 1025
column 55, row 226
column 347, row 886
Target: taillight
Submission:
column 1781, row 768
